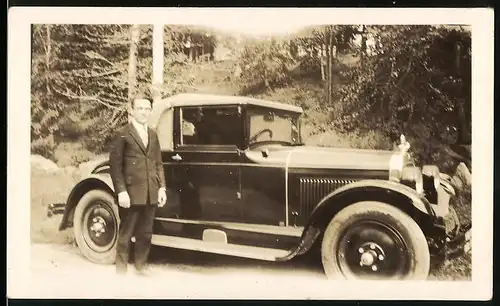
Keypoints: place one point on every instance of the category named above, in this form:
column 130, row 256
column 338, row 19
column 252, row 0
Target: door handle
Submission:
column 177, row 157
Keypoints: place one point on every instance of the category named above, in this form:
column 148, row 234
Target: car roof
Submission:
column 198, row 99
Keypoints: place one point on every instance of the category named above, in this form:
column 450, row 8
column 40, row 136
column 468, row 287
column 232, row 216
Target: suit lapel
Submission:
column 136, row 137
column 150, row 141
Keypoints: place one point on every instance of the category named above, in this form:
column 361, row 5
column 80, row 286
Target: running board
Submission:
column 219, row 248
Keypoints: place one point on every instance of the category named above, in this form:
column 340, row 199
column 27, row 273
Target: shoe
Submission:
column 146, row 271
column 121, row 271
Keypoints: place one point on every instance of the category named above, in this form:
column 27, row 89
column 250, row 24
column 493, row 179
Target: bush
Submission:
column 331, row 138
column 264, row 66
column 72, row 154
column 44, row 147
column 369, row 140
column 419, row 87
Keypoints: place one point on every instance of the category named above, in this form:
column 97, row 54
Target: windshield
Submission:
column 274, row 126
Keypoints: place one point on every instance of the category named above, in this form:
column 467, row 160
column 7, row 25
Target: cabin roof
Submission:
column 197, row 99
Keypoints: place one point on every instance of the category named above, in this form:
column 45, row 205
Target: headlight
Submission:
column 412, row 177
column 432, row 172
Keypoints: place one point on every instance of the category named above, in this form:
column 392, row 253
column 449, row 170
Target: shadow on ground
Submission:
column 214, row 263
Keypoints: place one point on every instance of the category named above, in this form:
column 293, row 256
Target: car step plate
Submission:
column 219, row 248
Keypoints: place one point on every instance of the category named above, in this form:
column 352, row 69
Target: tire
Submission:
column 95, row 207
column 374, row 229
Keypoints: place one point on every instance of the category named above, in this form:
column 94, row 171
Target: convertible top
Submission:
column 196, row 99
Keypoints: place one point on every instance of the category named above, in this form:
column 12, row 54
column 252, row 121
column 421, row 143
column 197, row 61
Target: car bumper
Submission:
column 461, row 244
column 452, row 238
column 459, row 241
column 55, row 209
column 456, row 238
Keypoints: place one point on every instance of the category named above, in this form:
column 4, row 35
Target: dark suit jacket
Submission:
column 134, row 168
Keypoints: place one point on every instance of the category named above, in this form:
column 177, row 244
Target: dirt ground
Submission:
column 59, row 270
column 176, row 274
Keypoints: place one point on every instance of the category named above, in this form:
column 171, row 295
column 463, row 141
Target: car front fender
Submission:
column 396, row 194
column 377, row 188
column 93, row 181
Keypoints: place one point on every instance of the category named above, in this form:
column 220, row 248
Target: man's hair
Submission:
column 141, row 96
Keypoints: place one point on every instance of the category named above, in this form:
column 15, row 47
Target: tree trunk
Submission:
column 363, row 46
column 464, row 133
column 158, row 57
column 47, row 60
column 333, row 54
column 329, row 71
column 132, row 62
column 323, row 61
column 327, row 76
column 266, row 80
column 192, row 52
column 293, row 50
column 463, row 130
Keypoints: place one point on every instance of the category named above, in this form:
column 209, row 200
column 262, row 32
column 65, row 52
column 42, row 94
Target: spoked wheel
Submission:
column 372, row 240
column 96, row 224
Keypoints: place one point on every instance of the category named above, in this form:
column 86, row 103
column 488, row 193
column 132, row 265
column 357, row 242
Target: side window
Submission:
column 210, row 126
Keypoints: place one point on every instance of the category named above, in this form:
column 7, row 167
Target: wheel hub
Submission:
column 367, row 259
column 370, row 255
column 98, row 226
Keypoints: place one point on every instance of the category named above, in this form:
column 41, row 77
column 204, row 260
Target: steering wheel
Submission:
column 254, row 137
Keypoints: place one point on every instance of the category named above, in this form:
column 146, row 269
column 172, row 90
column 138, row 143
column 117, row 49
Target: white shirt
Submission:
column 142, row 129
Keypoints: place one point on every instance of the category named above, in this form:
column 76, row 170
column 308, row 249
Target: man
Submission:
column 139, row 182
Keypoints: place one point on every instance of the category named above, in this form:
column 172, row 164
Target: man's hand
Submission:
column 124, row 199
column 162, row 197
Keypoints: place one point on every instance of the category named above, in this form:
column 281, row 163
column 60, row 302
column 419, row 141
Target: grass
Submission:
column 459, row 269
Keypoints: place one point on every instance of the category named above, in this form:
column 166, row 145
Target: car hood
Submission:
column 321, row 157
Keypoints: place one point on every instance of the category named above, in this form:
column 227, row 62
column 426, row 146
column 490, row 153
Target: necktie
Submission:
column 142, row 130
column 145, row 135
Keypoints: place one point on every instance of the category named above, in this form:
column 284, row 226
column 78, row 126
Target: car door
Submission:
column 203, row 170
column 264, row 185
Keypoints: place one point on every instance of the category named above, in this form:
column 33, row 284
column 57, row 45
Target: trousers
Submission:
column 135, row 221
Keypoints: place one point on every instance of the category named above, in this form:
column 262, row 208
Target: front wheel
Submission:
column 96, row 222
column 373, row 240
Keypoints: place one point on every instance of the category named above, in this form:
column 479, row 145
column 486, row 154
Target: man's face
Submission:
column 141, row 110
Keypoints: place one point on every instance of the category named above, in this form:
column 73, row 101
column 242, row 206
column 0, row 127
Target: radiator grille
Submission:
column 312, row 190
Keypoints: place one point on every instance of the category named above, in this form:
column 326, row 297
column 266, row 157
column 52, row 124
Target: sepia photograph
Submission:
column 216, row 153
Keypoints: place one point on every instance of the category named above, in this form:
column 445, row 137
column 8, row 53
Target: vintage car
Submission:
column 241, row 182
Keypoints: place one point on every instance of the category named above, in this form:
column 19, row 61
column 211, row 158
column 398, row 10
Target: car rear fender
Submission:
column 94, row 181
column 393, row 193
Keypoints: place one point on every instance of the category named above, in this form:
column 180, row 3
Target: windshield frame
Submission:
column 257, row 110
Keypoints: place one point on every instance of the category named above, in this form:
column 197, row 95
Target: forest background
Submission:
column 360, row 86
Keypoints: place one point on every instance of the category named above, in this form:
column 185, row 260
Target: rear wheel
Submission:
column 95, row 224
column 373, row 240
